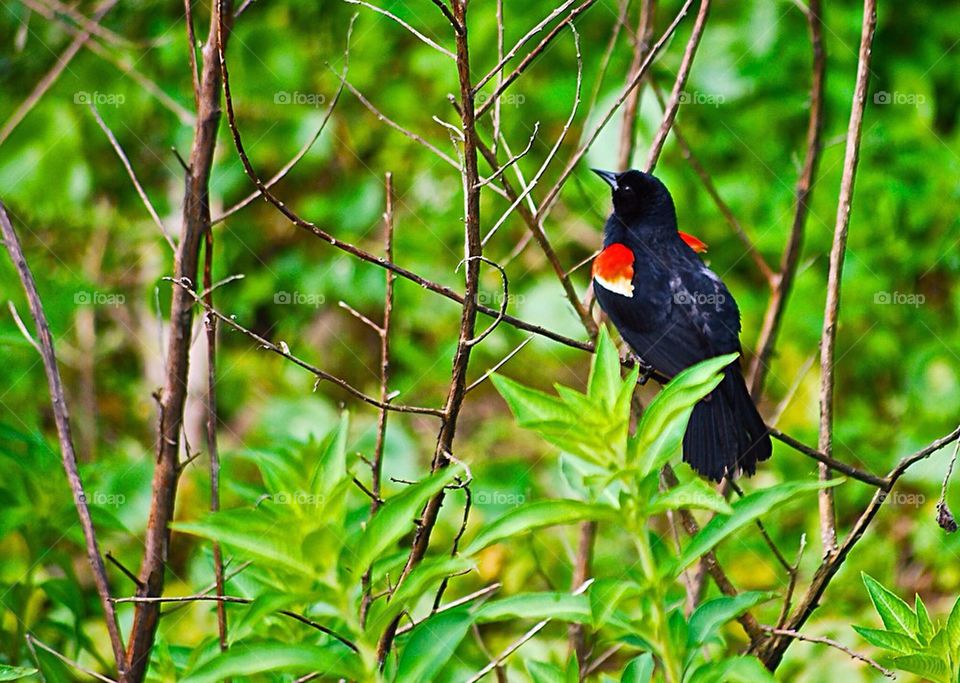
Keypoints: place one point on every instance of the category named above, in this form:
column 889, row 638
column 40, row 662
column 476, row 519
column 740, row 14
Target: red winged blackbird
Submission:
column 673, row 311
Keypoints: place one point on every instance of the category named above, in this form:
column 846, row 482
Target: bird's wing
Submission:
column 672, row 327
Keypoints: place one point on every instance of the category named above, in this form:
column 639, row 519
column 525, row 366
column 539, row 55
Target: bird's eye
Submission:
column 627, row 188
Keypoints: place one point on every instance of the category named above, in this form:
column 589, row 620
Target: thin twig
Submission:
column 833, row 463
column 439, row 48
column 631, row 106
column 62, row 419
column 133, row 176
column 32, row 640
column 828, row 339
column 480, row 380
column 832, row 643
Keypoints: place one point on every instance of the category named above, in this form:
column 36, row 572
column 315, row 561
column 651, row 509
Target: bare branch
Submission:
column 629, row 123
column 480, row 380
column 32, row 640
column 828, row 339
column 61, row 417
column 832, row 643
column 133, row 176
column 442, row 50
column 827, row 460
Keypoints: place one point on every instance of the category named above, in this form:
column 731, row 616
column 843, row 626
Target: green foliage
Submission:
column 913, row 642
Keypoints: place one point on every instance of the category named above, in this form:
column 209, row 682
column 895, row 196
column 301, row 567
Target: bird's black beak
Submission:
column 609, row 176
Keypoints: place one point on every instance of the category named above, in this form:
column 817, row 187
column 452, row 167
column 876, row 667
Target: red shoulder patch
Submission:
column 613, row 269
column 697, row 245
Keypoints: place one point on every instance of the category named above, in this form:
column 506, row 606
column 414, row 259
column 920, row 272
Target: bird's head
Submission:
column 639, row 197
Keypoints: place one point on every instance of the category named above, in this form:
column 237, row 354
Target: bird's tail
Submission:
column 726, row 434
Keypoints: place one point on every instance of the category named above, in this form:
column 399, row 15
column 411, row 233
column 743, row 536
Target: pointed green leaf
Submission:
column 639, row 670
column 924, row 623
column 334, row 660
column 742, row 669
column 396, row 517
column 664, row 422
column 14, row 673
column 537, row 516
column 331, row 461
column 927, row 666
column 559, row 606
column 952, row 629
column 432, row 644
column 606, row 595
column 895, row 614
column 542, row 672
column 888, row 640
column 530, row 406
column 256, row 534
column 696, row 494
column 745, row 511
column 709, row 617
column 604, row 383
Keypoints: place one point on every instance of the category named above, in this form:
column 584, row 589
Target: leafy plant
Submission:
column 915, row 643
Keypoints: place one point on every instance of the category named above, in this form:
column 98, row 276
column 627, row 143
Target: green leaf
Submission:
column 952, row 629
column 664, row 422
column 926, row 666
column 734, row 670
column 396, row 517
column 693, row 494
column 431, row 644
column 530, row 406
column 542, row 672
column 256, row 533
column 13, row 673
column 745, row 510
column 888, row 640
column 536, row 516
column 707, row 619
column 606, row 595
column 895, row 614
column 334, row 660
column 331, row 465
column 639, row 670
column 603, row 386
column 559, row 606
column 924, row 623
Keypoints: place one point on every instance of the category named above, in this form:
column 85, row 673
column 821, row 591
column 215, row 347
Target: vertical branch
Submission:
column 196, row 223
column 783, row 282
column 384, row 331
column 61, row 417
column 473, row 250
column 673, row 104
column 210, row 323
column 628, row 127
column 828, row 339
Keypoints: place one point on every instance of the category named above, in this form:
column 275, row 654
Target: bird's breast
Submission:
column 613, row 269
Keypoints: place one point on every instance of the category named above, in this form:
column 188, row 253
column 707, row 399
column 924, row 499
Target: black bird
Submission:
column 673, row 311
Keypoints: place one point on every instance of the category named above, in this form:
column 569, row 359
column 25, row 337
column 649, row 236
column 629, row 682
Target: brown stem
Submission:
column 461, row 359
column 783, row 282
column 196, row 223
column 61, row 417
column 828, row 531
column 628, row 127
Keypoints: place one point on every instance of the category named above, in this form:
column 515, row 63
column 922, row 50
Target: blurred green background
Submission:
column 99, row 262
